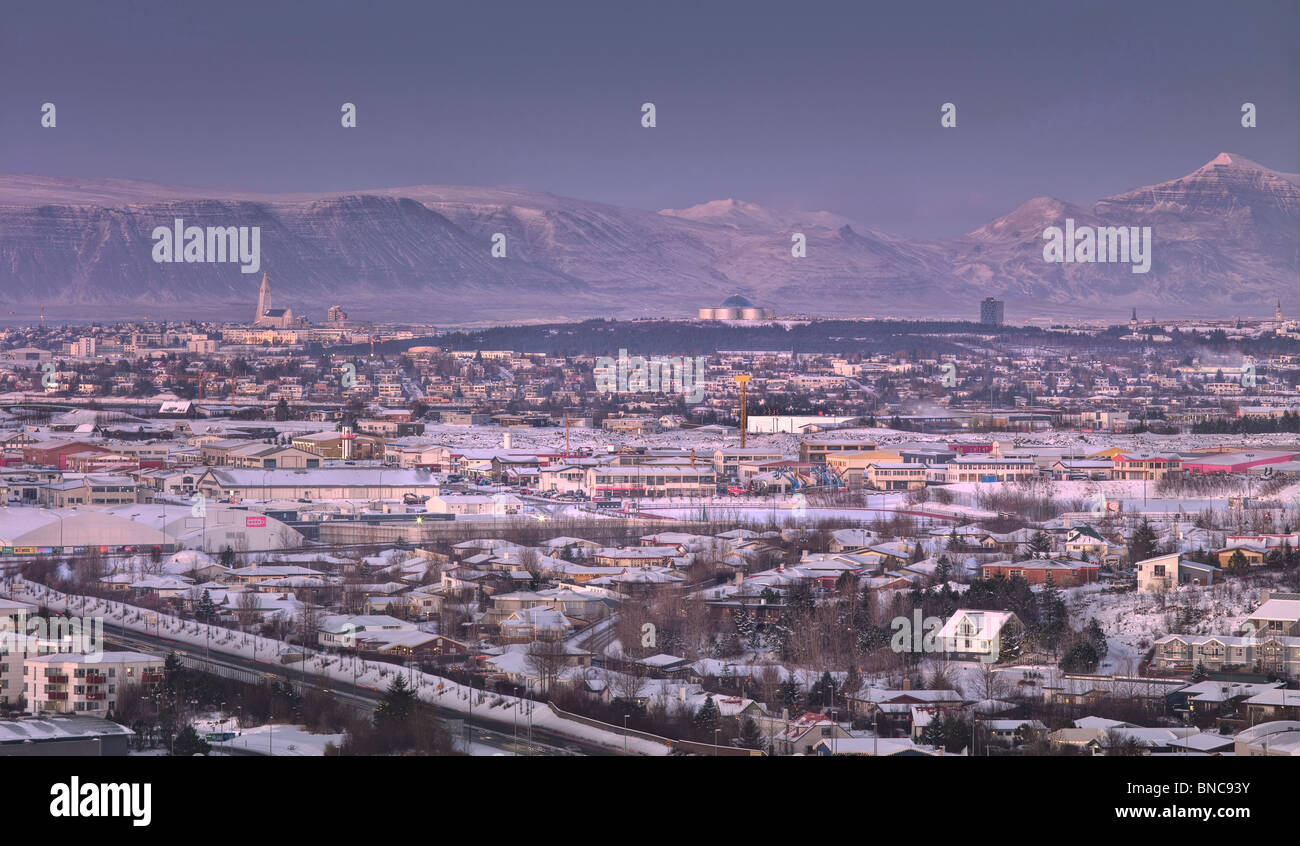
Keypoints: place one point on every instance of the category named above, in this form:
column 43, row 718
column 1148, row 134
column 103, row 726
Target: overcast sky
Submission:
column 797, row 105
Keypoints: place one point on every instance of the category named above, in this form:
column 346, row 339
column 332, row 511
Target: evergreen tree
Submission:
column 788, row 695
column 188, row 743
column 1096, row 637
column 750, row 737
column 395, row 708
column 932, row 733
column 1082, row 658
column 942, row 570
column 744, row 624
column 1143, row 543
column 822, row 693
column 173, row 673
column 207, row 610
column 706, row 719
column 228, row 557
column 1009, row 645
column 1052, row 616
column 1040, row 545
column 779, row 634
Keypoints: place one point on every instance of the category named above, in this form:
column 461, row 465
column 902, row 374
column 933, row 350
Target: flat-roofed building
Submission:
column 651, row 481
column 895, row 476
column 991, row 468
column 86, row 683
column 817, row 451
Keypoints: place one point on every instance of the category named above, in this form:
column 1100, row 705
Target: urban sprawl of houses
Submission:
column 1064, row 541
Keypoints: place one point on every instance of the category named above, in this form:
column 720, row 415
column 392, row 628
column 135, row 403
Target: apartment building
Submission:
column 80, row 683
column 13, row 633
column 1228, row 653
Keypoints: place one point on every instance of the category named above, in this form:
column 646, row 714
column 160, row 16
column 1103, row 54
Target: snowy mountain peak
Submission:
column 1233, row 160
column 745, row 215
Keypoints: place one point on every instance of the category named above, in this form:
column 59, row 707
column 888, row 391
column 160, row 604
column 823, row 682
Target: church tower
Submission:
column 263, row 300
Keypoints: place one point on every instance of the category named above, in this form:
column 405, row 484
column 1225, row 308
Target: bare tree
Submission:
column 247, row 609
column 545, row 659
column 308, row 624
column 989, row 683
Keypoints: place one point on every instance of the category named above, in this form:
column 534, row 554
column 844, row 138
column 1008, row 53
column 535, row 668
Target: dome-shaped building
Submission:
column 736, row 307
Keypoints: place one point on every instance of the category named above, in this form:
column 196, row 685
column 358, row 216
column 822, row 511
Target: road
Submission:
column 480, row 732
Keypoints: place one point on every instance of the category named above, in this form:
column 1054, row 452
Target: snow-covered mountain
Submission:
column 1226, row 241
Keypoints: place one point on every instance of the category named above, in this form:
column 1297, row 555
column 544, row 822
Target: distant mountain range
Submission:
column 1226, row 241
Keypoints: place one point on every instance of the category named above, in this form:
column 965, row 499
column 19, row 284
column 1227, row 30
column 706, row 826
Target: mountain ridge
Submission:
column 1227, row 239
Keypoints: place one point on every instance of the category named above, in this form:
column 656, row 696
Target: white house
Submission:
column 976, row 634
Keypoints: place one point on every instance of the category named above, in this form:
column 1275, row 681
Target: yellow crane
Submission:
column 742, row 379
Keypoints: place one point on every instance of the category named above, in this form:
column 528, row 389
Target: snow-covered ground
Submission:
column 370, row 674
column 489, row 437
column 1132, row 621
column 278, row 739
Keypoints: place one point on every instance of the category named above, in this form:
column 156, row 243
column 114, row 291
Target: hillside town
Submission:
column 1000, row 543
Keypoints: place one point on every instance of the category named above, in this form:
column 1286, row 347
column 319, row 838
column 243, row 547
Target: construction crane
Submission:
column 742, row 379
column 796, row 479
column 828, row 477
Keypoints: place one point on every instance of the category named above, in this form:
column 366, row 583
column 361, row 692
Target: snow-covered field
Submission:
column 279, row 740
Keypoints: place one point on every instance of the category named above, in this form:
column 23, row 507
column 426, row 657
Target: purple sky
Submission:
column 809, row 105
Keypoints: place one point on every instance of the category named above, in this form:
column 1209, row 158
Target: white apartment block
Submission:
column 79, row 683
column 13, row 631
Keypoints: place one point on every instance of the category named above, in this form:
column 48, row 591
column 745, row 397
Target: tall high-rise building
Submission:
column 991, row 312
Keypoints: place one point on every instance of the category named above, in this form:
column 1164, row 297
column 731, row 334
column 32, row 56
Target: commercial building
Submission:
column 991, row 311
column 366, row 483
column 651, row 481
column 736, row 307
column 65, row 736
